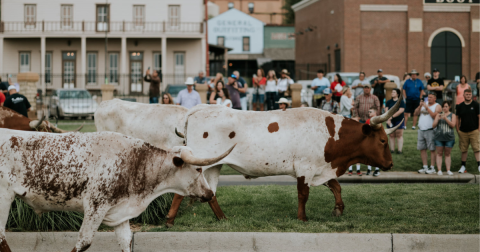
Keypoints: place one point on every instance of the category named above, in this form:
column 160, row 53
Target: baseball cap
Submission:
column 327, row 91
column 11, row 87
column 435, row 70
column 233, row 76
column 379, row 70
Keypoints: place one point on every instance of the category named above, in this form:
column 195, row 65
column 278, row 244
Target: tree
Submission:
column 290, row 15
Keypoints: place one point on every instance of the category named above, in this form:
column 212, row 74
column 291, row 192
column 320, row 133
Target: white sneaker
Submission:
column 450, row 173
column 430, row 171
column 439, row 173
column 462, row 170
column 423, row 170
column 479, row 169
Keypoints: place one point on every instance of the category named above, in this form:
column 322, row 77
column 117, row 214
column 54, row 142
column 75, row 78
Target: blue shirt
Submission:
column 396, row 120
column 188, row 100
column 321, row 84
column 413, row 89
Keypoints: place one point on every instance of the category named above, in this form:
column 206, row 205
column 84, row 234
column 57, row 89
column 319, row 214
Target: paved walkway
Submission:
column 385, row 177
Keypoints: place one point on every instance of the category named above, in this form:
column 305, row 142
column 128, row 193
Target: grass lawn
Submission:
column 409, row 161
column 390, row 208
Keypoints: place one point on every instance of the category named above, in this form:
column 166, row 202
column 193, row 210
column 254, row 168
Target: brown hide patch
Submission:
column 4, row 246
column 273, row 127
column 178, row 162
column 266, row 163
column 205, row 134
column 15, row 142
column 232, row 134
column 330, row 125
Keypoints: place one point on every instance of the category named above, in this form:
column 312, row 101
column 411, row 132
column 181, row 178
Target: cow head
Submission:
column 360, row 143
column 10, row 119
column 189, row 179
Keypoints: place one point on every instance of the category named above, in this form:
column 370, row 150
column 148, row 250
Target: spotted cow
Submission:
column 10, row 119
column 311, row 145
column 109, row 177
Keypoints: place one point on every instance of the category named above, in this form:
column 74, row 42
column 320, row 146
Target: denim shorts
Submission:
column 448, row 144
column 258, row 98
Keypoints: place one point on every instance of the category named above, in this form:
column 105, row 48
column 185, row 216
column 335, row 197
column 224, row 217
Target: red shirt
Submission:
column 263, row 81
column 332, row 87
column 368, row 121
column 2, row 98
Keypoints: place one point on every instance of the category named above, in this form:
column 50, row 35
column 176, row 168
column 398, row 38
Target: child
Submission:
column 371, row 113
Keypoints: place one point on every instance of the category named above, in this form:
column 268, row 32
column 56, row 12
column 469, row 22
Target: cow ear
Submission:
column 178, row 162
column 366, row 129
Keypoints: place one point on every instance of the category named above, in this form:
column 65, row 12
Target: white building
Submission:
column 64, row 41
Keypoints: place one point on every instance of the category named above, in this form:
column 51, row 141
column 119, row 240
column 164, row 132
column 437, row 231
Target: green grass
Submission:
column 390, row 208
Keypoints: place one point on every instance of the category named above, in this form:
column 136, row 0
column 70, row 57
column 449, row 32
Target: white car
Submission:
column 72, row 103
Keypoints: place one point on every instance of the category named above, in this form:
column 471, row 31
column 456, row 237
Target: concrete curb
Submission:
column 385, row 177
column 219, row 241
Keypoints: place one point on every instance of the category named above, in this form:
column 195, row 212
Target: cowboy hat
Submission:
column 189, row 81
column 414, row 72
column 283, row 100
column 285, row 71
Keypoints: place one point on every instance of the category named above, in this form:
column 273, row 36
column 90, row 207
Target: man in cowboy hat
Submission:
column 283, row 103
column 412, row 92
column 328, row 104
column 188, row 97
column 283, row 83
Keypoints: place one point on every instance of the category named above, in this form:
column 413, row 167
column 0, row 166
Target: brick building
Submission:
column 395, row 35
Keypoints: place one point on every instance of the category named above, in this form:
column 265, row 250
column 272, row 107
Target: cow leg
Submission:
column 303, row 192
column 6, row 200
column 211, row 175
column 334, row 186
column 172, row 213
column 124, row 236
column 90, row 224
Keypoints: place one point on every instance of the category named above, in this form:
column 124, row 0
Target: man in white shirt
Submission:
column 357, row 85
column 428, row 112
column 318, row 85
column 283, row 83
column 188, row 97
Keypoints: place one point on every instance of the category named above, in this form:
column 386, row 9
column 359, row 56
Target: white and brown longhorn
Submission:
column 109, row 177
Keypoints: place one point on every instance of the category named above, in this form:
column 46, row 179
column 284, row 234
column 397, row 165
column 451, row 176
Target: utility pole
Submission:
column 107, row 26
column 207, row 65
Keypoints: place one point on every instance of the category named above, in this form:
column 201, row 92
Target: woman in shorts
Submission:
column 259, row 82
column 444, row 136
column 397, row 118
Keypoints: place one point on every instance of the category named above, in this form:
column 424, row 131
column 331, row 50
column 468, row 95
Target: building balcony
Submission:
column 92, row 27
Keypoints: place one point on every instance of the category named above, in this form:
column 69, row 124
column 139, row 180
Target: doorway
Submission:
column 68, row 69
column 446, row 55
column 179, row 67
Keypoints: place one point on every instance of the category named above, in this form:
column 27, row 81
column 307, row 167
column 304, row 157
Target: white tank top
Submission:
column 425, row 121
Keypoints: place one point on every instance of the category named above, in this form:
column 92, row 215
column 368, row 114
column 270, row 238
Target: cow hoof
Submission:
column 303, row 219
column 336, row 213
column 169, row 225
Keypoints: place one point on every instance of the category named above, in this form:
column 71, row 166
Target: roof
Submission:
column 218, row 47
column 234, row 11
column 302, row 4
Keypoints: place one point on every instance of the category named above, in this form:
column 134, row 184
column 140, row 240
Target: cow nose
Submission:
column 207, row 196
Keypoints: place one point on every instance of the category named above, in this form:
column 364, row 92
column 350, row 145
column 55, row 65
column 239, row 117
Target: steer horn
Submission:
column 179, row 134
column 376, row 121
column 57, row 130
column 189, row 158
column 391, row 130
column 38, row 124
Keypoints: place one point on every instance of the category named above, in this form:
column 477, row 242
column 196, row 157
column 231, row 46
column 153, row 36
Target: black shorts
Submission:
column 411, row 106
column 381, row 97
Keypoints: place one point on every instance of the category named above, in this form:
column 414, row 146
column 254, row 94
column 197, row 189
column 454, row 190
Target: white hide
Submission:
column 154, row 123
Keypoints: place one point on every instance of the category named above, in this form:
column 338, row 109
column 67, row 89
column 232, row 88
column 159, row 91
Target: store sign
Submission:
column 282, row 36
column 454, row 1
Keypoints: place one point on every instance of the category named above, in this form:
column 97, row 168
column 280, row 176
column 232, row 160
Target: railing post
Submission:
column 123, row 28
column 2, row 26
column 43, row 25
column 163, row 26
column 83, row 25
column 201, row 27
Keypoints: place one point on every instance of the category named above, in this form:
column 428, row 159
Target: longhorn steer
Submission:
column 152, row 123
column 311, row 145
column 108, row 176
column 11, row 119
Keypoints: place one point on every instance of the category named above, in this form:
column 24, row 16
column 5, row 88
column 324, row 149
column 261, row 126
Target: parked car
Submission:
column 174, row 89
column 392, row 78
column 72, row 103
column 349, row 78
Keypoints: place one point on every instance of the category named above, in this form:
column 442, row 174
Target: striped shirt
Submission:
column 363, row 103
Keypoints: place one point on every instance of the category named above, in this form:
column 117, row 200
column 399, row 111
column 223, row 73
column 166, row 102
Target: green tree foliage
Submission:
column 290, row 15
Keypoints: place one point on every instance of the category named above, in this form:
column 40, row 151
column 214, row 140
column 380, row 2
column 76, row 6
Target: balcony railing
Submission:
column 91, row 26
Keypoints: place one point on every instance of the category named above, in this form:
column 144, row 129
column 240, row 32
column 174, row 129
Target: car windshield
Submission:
column 349, row 79
column 75, row 94
column 174, row 90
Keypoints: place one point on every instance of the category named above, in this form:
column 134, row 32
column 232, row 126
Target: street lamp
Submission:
column 250, row 7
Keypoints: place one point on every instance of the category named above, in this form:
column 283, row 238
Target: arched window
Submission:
column 446, row 55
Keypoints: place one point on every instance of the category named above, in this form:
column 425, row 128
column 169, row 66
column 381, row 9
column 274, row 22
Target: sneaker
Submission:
column 423, row 170
column 349, row 173
column 413, row 127
column 430, row 171
column 405, row 127
column 462, row 170
column 449, row 173
column 439, row 173
column 392, row 151
column 399, row 152
column 479, row 169
column 376, row 173
column 359, row 173
column 368, row 172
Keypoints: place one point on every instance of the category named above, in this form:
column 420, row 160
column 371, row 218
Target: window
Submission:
column 113, row 67
column 136, row 69
column 221, row 40
column 329, row 63
column 102, row 17
column 179, row 67
column 246, row 44
column 66, row 16
column 231, row 5
column 138, row 15
column 48, row 68
column 30, row 15
column 338, row 61
column 91, row 68
column 446, row 55
column 24, row 62
column 157, row 61
column 174, row 15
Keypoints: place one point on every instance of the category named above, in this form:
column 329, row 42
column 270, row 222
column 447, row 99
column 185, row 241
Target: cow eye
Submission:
column 383, row 141
column 199, row 170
